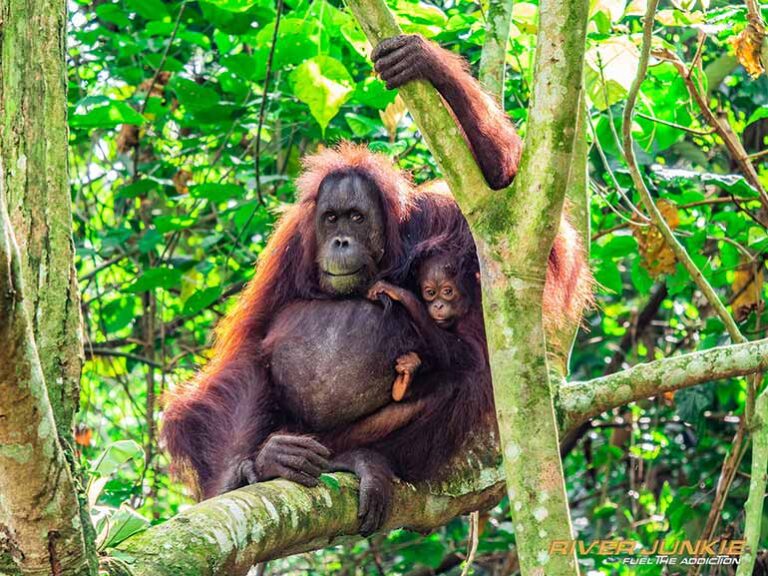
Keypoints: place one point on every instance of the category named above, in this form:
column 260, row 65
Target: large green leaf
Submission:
column 114, row 456
column 193, row 96
column 149, row 9
column 324, row 85
column 611, row 67
column 234, row 5
column 107, row 116
column 118, row 526
column 155, row 278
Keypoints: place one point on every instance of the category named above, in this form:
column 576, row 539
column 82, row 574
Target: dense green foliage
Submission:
column 188, row 122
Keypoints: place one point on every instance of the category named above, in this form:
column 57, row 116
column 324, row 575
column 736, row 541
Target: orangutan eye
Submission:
column 429, row 293
column 330, row 217
column 356, row 217
column 448, row 292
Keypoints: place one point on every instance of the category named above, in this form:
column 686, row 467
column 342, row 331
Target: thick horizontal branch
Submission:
column 579, row 401
column 230, row 533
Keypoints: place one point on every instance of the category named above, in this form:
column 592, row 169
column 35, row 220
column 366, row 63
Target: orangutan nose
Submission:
column 341, row 242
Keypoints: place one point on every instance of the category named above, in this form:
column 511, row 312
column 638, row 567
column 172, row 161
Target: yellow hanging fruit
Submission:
column 748, row 44
column 658, row 257
column 747, row 289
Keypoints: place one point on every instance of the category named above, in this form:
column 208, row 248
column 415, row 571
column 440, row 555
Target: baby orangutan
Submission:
column 445, row 300
column 442, row 281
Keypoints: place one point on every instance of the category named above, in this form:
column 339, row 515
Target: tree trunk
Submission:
column 44, row 377
column 39, row 512
column 33, row 146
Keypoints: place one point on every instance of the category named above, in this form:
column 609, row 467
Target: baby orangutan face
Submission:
column 441, row 289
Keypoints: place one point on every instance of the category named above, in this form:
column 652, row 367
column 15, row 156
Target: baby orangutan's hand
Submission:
column 382, row 287
column 405, row 366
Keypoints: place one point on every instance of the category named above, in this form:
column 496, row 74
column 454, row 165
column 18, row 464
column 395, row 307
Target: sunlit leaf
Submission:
column 108, row 116
column 122, row 524
column 611, row 67
column 155, row 278
column 323, row 84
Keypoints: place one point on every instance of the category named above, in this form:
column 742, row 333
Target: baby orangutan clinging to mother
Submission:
column 446, row 300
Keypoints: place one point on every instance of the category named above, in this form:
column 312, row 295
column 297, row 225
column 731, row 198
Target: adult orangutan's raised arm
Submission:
column 491, row 136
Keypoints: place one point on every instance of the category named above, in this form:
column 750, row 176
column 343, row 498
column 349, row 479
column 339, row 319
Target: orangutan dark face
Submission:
column 350, row 233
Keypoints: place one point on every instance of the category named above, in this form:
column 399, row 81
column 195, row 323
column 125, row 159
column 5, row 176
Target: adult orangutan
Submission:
column 305, row 355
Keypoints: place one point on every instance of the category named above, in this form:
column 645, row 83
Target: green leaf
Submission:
column 242, row 65
column 121, row 525
column 193, row 96
column 114, row 456
column 640, row 277
column 608, row 276
column 149, row 9
column 201, row 299
column 118, row 314
column 298, row 40
column 113, row 13
column 692, row 402
column 759, row 114
column 620, row 246
column 107, row 116
column 373, row 92
column 330, row 481
column 216, row 193
column 610, row 69
column 361, row 126
column 136, row 189
column 170, row 223
column 355, row 37
column 234, row 5
column 226, row 21
column 733, row 183
column 324, row 85
column 155, row 278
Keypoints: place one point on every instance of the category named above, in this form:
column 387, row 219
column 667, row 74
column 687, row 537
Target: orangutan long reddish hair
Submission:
column 228, row 412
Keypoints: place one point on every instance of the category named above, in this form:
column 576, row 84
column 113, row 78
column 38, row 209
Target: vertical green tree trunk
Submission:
column 39, row 511
column 514, row 231
column 44, row 533
column 33, row 145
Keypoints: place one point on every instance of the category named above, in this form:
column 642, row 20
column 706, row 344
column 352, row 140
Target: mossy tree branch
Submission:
column 579, row 401
column 753, row 509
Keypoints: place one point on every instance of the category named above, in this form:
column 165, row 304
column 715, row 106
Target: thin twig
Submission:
column 680, row 252
column 164, row 58
column 263, row 106
column 257, row 140
column 676, row 126
column 473, row 538
column 732, row 142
